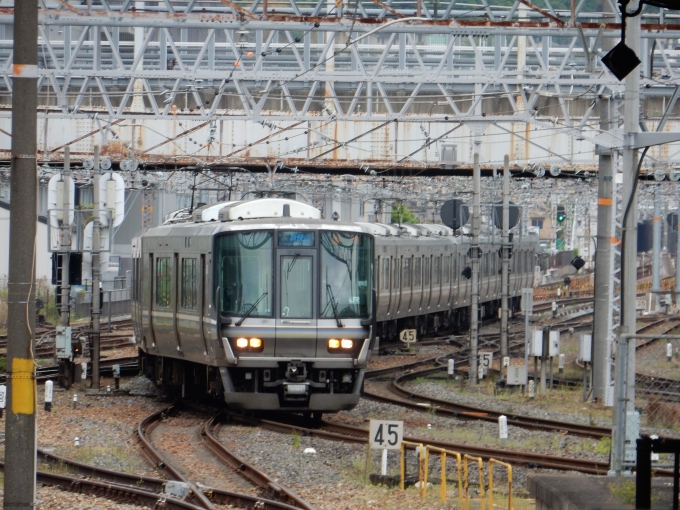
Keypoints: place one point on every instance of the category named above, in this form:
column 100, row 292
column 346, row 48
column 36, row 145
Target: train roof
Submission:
column 283, row 213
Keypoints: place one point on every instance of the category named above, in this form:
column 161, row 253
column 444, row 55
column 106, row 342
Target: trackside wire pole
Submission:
column 474, row 255
column 602, row 314
column 506, row 258
column 20, row 425
column 656, row 250
column 631, row 126
column 96, row 248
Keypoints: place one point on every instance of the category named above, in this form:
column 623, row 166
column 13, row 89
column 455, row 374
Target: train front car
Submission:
column 295, row 304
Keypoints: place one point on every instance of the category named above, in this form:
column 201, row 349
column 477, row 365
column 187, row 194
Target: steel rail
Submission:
column 348, row 433
column 120, row 493
column 157, row 460
column 209, row 438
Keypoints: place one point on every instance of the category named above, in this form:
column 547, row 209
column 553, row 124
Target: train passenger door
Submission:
column 296, row 323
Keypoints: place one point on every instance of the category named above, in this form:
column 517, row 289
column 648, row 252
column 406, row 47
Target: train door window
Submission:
column 163, row 282
column 417, row 271
column 296, row 286
column 455, row 270
column 426, row 271
column 407, row 272
column 135, row 279
column 446, row 273
column 189, row 286
column 385, row 274
column 485, row 265
column 395, row 273
column 436, row 270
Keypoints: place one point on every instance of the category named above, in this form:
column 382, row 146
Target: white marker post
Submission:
column 3, row 399
column 554, row 309
column 503, row 428
column 560, row 363
column 655, row 456
column 75, row 401
column 49, row 390
column 532, row 389
column 383, row 463
column 83, row 365
column 116, row 376
column 77, row 442
column 449, row 368
column 669, row 351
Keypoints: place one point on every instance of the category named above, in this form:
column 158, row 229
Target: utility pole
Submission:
column 65, row 239
column 625, row 364
column 96, row 248
column 602, row 314
column 474, row 256
column 677, row 254
column 656, row 250
column 20, row 424
column 506, row 258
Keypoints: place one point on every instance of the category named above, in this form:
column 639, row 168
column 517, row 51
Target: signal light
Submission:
column 561, row 214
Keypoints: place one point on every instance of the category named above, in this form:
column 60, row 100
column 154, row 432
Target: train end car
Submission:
column 259, row 302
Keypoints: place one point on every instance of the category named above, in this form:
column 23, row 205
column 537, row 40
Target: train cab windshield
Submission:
column 346, row 261
column 332, row 269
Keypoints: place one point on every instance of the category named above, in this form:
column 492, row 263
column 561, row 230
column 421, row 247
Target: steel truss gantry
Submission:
column 369, row 61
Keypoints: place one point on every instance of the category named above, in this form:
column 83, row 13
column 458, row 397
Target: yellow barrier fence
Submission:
column 480, row 464
column 421, row 453
column 493, row 462
column 442, row 488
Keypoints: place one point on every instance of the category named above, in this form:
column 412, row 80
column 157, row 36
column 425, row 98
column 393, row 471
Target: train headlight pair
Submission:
column 344, row 344
column 254, row 344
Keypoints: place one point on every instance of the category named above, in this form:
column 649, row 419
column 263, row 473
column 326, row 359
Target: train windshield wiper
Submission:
column 250, row 310
column 334, row 305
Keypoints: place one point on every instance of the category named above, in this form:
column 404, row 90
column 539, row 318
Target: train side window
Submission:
column 426, row 271
column 522, row 269
column 163, row 282
column 436, row 270
column 446, row 267
column 395, row 274
column 385, row 275
column 417, row 272
column 407, row 272
column 189, row 288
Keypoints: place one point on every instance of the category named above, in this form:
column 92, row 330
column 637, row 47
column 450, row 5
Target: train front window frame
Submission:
column 346, row 265
column 244, row 273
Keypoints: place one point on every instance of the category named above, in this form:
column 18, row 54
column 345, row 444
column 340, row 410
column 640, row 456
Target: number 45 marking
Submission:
column 386, row 434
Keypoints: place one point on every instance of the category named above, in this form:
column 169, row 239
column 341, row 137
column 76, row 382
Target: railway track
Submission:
column 207, row 497
column 340, row 432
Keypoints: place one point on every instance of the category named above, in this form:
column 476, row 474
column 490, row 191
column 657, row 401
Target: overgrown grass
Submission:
column 296, row 439
column 624, row 490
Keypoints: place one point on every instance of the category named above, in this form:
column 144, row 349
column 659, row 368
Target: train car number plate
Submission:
column 298, row 389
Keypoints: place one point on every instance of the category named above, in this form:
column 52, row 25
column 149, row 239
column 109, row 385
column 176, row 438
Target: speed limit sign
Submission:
column 386, row 435
column 408, row 336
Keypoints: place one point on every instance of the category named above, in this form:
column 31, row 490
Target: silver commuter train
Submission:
column 269, row 306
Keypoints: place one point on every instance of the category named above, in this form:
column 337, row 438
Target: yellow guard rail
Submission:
column 509, row 468
column 442, row 488
column 480, row 464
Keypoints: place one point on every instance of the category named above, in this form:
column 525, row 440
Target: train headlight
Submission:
column 344, row 344
column 347, row 344
column 255, row 343
column 242, row 343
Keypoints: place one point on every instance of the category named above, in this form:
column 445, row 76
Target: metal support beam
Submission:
column 474, row 256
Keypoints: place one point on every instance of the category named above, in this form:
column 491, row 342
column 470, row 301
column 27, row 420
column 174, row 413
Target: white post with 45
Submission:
column 385, row 435
column 408, row 336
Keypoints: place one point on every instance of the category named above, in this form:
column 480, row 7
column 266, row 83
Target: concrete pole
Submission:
column 544, row 357
column 474, row 255
column 677, row 259
column 631, row 125
column 626, row 372
column 505, row 260
column 96, row 263
column 65, row 240
column 656, row 250
column 20, row 424
column 602, row 314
